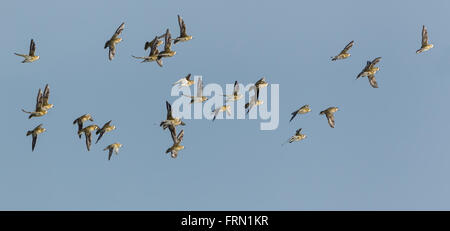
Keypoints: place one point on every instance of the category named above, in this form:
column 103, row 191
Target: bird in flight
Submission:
column 303, row 110
column 343, row 54
column 199, row 98
column 113, row 148
column 254, row 101
column 34, row 133
column 31, row 57
column 167, row 52
column 183, row 35
column 261, row 83
column 156, row 41
column 39, row 110
column 184, row 82
column 235, row 96
column 329, row 113
column 176, row 147
column 88, row 134
column 170, row 120
column 113, row 41
column 425, row 45
column 297, row 137
column 106, row 128
column 226, row 108
column 369, row 71
column 154, row 52
column 80, row 120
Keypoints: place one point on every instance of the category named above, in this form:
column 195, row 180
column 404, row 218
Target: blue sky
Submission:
column 389, row 150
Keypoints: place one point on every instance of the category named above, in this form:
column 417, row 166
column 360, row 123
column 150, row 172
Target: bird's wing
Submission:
column 375, row 61
column 188, row 77
column 182, row 26
column 347, row 47
column 46, row 94
column 236, row 88
column 169, row 111
column 110, row 153
column 424, row 36
column 32, row 48
column 373, row 81
column 293, row 115
column 298, row 131
column 100, row 136
column 173, row 134
column 199, row 88
column 215, row 112
column 180, row 136
column 330, row 118
column 119, row 30
column 153, row 47
column 112, row 51
column 88, row 140
column 167, row 40
column 39, row 100
column 33, row 142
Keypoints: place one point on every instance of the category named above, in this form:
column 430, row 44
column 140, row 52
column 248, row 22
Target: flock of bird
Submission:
column 43, row 105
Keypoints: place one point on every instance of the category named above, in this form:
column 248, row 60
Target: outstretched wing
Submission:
column 330, row 118
column 236, row 88
column 110, row 153
column 32, row 48
column 375, row 61
column 33, row 142
column 293, row 115
column 424, row 36
column 88, row 140
column 373, row 81
column 297, row 133
column 39, row 101
column 118, row 31
column 169, row 111
column 188, row 77
column 347, row 47
column 180, row 136
column 112, row 51
column 46, row 94
column 167, row 40
column 182, row 26
column 173, row 134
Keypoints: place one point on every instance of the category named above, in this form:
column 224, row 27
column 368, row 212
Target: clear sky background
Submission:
column 389, row 150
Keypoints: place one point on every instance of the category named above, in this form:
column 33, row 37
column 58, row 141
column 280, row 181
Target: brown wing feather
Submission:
column 32, row 48
column 347, row 47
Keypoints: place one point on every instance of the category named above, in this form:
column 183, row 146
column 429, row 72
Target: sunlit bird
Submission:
column 45, row 105
column 261, row 83
column 199, row 98
column 34, row 133
column 154, row 53
column 297, row 137
column 254, row 100
column 369, row 71
column 425, row 45
column 31, row 57
column 303, row 110
column 344, row 53
column 226, row 108
column 39, row 109
column 113, row 148
column 176, row 147
column 184, row 82
column 329, row 113
column 167, row 52
column 88, row 134
column 107, row 127
column 170, row 120
column 80, row 120
column 235, row 96
column 111, row 44
column 183, row 35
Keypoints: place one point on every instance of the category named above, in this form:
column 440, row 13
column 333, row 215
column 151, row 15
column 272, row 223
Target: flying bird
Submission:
column 154, row 53
column 329, row 113
column 88, row 134
column 254, row 101
column 167, row 52
column 113, row 148
column 156, row 41
column 80, row 120
column 369, row 71
column 235, row 96
column 183, row 35
column 39, row 109
column 31, row 57
column 261, row 83
column 176, row 147
column 297, row 137
column 425, row 45
column 34, row 133
column 184, row 82
column 113, row 41
column 106, row 128
column 226, row 108
column 343, row 54
column 170, row 120
column 199, row 98
column 303, row 110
